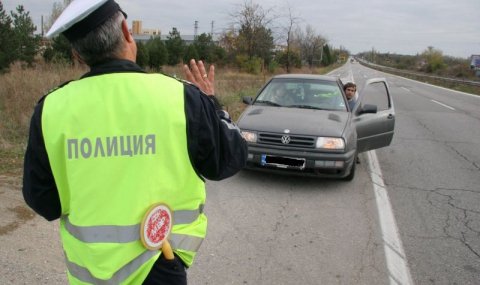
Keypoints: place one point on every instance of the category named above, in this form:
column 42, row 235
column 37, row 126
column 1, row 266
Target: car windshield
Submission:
column 302, row 93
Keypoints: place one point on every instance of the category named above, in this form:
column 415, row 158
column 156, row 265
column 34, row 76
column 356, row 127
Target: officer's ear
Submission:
column 77, row 56
column 126, row 32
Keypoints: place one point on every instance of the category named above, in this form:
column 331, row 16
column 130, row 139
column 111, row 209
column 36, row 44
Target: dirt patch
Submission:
column 23, row 214
column 30, row 248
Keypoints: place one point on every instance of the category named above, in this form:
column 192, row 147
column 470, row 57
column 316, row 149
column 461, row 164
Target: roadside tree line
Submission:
column 259, row 39
column 431, row 61
column 17, row 39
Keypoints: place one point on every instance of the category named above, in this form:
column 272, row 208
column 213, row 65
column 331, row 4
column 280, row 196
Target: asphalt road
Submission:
column 432, row 173
column 275, row 229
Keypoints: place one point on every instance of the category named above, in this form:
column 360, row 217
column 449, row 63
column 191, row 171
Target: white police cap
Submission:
column 82, row 17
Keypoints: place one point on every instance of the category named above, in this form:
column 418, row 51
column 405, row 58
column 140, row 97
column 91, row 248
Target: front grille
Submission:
column 293, row 140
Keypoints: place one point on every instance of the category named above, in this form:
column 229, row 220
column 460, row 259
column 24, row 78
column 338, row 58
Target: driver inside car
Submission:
column 280, row 96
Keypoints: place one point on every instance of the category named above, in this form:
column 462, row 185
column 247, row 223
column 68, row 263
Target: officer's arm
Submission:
column 39, row 188
column 216, row 147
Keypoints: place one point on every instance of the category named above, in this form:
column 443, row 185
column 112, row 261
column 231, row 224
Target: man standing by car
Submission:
column 350, row 89
column 105, row 148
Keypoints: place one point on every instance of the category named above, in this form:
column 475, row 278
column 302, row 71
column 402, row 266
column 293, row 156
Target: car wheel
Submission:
column 351, row 175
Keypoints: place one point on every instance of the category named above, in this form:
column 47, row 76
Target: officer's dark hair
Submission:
column 104, row 43
column 349, row 84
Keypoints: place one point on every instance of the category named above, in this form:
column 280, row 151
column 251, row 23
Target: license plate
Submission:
column 283, row 162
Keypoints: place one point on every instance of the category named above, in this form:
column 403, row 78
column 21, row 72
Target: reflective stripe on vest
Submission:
column 84, row 275
column 177, row 241
column 123, row 234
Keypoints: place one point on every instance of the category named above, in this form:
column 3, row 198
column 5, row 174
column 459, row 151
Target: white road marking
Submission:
column 446, row 106
column 405, row 89
column 398, row 270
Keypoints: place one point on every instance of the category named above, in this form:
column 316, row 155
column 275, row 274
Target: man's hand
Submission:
column 199, row 76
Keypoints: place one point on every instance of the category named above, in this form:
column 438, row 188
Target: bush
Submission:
column 273, row 66
column 48, row 54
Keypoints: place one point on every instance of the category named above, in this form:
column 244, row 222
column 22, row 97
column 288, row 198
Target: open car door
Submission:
column 374, row 129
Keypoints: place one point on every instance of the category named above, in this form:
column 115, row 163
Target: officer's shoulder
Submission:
column 188, row 84
column 195, row 88
column 53, row 90
column 185, row 83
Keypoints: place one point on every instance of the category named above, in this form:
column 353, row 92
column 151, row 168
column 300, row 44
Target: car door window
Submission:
column 377, row 94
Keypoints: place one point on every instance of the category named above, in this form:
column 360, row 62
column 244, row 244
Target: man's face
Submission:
column 280, row 93
column 350, row 92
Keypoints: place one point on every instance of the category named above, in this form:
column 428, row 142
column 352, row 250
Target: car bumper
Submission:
column 300, row 162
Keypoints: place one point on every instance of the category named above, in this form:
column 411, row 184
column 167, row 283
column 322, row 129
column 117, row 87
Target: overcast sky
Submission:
column 395, row 26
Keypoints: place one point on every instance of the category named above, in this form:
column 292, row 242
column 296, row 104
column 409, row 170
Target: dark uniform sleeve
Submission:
column 216, row 147
column 39, row 188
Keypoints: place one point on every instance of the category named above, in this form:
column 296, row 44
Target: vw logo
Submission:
column 286, row 139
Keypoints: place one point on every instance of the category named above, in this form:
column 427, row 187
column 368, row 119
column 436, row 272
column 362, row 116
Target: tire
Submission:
column 351, row 175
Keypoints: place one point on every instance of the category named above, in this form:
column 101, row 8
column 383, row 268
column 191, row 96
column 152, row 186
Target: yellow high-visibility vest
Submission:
column 117, row 143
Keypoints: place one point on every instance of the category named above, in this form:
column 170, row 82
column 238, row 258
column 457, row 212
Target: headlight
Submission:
column 330, row 143
column 249, row 136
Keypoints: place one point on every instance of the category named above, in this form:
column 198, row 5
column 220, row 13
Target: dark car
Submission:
column 302, row 124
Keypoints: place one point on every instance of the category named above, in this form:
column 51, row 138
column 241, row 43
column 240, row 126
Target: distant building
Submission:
column 188, row 39
column 279, row 48
column 136, row 27
column 143, row 35
column 151, row 32
column 138, row 30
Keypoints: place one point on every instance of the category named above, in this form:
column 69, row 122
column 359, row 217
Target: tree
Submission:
column 142, row 55
column 205, row 47
column 175, row 46
column 57, row 10
column 288, row 36
column 434, row 59
column 48, row 54
column 189, row 53
column 326, row 56
column 311, row 44
column 62, row 49
column 7, row 51
column 228, row 43
column 26, row 44
column 157, row 52
column 289, row 59
column 255, row 36
column 219, row 56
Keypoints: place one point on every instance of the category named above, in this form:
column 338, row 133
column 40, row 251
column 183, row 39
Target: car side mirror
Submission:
column 247, row 100
column 368, row 109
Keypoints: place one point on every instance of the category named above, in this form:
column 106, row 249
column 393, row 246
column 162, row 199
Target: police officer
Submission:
column 104, row 148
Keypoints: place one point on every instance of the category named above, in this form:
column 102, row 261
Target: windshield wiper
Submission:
column 306, row 107
column 268, row 102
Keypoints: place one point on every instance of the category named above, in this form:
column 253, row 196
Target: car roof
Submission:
column 306, row 76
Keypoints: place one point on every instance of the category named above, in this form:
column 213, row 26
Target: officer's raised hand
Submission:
column 199, row 76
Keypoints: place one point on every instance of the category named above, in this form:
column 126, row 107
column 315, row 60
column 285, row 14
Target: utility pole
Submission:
column 196, row 30
column 212, row 30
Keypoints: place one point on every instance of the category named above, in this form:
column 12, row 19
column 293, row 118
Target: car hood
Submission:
column 298, row 121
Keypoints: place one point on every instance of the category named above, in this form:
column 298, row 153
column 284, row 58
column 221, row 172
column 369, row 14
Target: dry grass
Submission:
column 19, row 92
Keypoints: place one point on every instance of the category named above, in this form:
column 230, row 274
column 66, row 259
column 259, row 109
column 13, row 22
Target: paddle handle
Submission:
column 167, row 250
